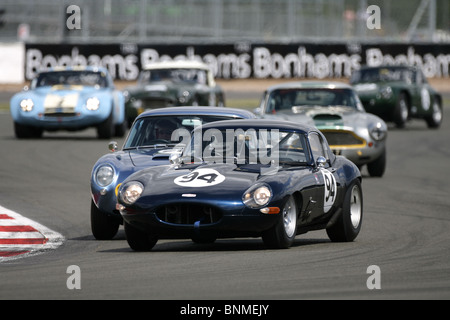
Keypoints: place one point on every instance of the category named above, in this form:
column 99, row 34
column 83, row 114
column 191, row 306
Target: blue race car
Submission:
column 69, row 99
column 153, row 137
column 245, row 178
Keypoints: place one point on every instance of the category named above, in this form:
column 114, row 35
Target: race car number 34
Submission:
column 200, row 178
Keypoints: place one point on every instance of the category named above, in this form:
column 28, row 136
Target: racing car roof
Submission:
column 310, row 85
column 386, row 66
column 189, row 64
column 76, row 68
column 200, row 110
column 261, row 124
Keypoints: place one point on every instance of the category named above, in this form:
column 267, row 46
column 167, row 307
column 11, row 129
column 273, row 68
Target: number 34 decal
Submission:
column 200, row 178
column 330, row 190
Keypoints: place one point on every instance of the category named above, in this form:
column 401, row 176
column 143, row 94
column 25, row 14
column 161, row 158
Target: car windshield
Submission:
column 234, row 145
column 174, row 75
column 382, row 75
column 168, row 130
column 285, row 99
column 69, row 78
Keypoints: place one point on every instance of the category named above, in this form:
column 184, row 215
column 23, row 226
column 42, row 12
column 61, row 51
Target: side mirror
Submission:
column 257, row 111
column 321, row 162
column 112, row 146
column 175, row 158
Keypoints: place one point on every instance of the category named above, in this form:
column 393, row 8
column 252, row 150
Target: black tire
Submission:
column 376, row 168
column 348, row 225
column 435, row 119
column 121, row 129
column 139, row 240
column 105, row 130
column 103, row 227
column 282, row 234
column 401, row 112
column 26, row 132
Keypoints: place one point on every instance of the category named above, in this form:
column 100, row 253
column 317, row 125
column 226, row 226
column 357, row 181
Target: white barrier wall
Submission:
column 12, row 63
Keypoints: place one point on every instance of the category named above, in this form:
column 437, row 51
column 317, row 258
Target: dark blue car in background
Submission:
column 148, row 144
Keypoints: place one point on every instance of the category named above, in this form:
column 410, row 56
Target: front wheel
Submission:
column 25, row 132
column 137, row 239
column 377, row 167
column 401, row 112
column 282, row 234
column 435, row 119
column 347, row 227
column 106, row 129
column 103, row 227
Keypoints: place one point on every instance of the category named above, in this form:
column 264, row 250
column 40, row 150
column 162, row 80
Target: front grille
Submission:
column 60, row 114
column 186, row 213
column 343, row 139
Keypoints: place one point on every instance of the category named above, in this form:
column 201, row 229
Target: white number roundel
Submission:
column 200, row 178
column 330, row 190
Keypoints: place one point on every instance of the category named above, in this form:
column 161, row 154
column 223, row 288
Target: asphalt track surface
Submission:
column 405, row 233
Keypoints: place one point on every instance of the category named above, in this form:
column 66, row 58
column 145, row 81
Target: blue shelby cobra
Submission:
column 245, row 178
column 69, row 99
column 149, row 143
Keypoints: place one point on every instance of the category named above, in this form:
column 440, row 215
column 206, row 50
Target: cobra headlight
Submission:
column 257, row 197
column 130, row 192
column 378, row 131
column 26, row 105
column 92, row 103
column 104, row 175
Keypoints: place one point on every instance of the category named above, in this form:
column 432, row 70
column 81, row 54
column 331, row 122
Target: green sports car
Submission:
column 173, row 83
column 398, row 93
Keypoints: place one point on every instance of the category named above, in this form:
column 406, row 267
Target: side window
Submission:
column 317, row 147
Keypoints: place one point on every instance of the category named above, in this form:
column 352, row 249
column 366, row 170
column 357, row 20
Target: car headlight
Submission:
column 130, row 192
column 386, row 92
column 27, row 105
column 104, row 175
column 183, row 96
column 92, row 103
column 378, row 131
column 257, row 197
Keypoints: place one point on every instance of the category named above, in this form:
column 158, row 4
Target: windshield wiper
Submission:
column 294, row 163
column 153, row 146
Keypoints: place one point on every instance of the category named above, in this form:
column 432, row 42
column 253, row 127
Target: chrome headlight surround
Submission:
column 183, row 96
column 104, row 175
column 257, row 196
column 386, row 92
column 26, row 105
column 378, row 131
column 130, row 192
column 92, row 104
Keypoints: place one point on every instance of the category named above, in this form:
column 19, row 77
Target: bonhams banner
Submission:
column 244, row 60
